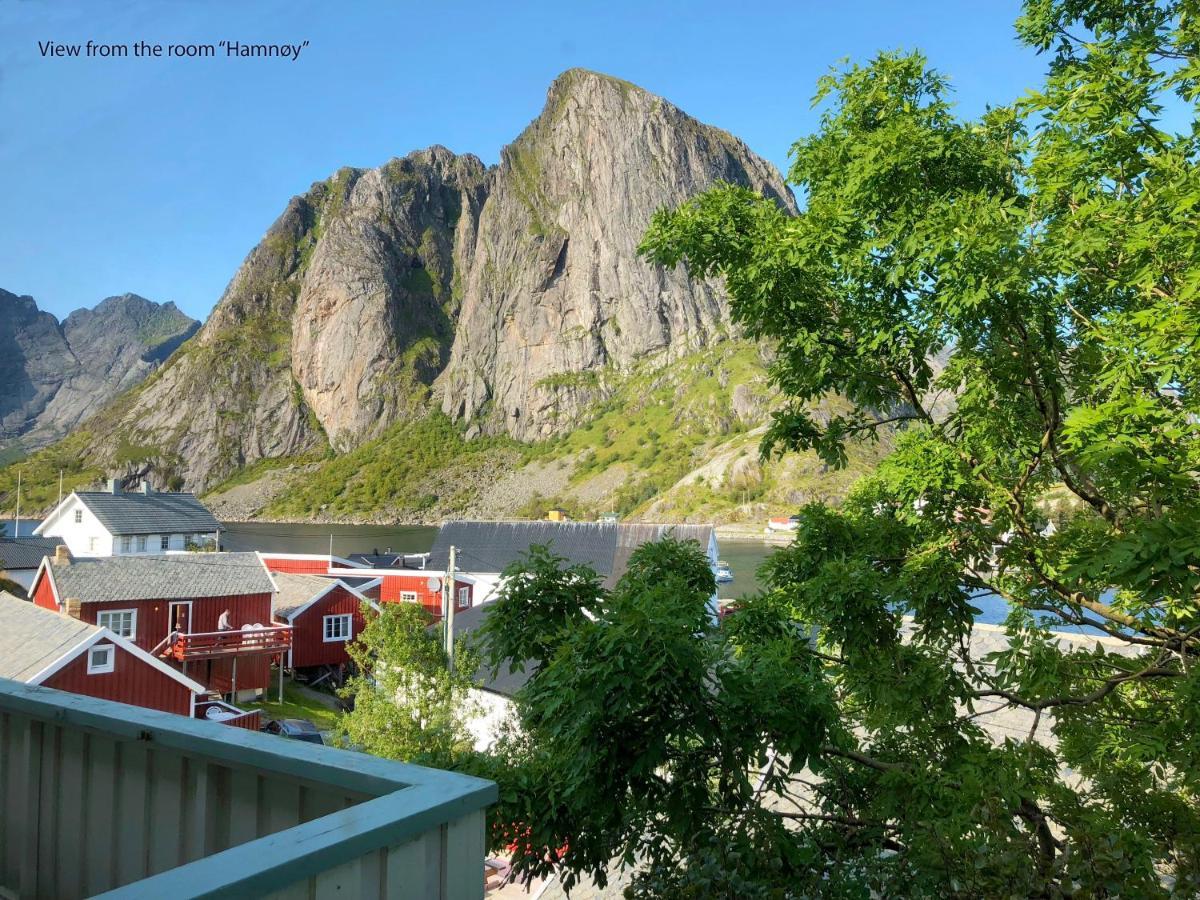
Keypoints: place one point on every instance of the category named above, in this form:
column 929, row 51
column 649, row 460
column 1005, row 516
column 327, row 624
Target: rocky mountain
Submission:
column 557, row 292
column 509, row 297
column 54, row 375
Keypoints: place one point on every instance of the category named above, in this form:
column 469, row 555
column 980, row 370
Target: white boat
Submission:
column 723, row 573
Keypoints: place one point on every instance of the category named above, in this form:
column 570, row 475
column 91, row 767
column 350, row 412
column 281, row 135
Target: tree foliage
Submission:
column 408, row 705
column 1018, row 295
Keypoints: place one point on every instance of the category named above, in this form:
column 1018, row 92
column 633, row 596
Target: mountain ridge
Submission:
column 472, row 319
column 56, row 374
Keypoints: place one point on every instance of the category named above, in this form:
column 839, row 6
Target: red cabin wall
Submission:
column 132, row 680
column 297, row 566
column 253, row 672
column 393, row 585
column 43, row 593
column 309, row 647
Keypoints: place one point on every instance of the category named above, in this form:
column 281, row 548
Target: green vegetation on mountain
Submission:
column 387, row 475
column 39, row 475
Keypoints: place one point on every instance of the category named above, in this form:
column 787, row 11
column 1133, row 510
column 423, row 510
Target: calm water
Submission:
column 26, row 529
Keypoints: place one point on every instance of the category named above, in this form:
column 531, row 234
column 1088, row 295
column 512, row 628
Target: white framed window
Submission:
column 408, row 596
column 141, row 543
column 464, row 597
column 79, row 517
column 101, row 659
column 92, row 544
column 337, row 628
column 164, row 543
column 122, row 622
column 126, row 544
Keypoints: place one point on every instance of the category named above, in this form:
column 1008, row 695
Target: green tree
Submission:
column 408, row 705
column 1018, row 296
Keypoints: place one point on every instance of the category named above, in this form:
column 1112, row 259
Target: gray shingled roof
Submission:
column 605, row 546
column 26, row 552
column 296, row 590
column 492, row 546
column 505, row 681
column 153, row 513
column 31, row 638
column 179, row 576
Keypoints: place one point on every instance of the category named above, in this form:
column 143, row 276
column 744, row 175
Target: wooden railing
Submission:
column 235, row 642
column 202, row 811
column 251, row 720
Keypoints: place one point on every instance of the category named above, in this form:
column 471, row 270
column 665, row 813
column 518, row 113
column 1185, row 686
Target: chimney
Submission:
column 62, row 556
column 146, row 489
column 114, row 486
column 73, row 607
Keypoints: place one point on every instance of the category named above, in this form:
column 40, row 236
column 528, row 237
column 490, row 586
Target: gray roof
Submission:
column 26, row 552
column 174, row 576
column 605, row 546
column 493, row 546
column 153, row 513
column 296, row 590
column 505, row 681
column 32, row 638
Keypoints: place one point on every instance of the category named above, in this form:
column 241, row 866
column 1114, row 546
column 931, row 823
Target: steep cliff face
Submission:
column 53, row 376
column 556, row 291
column 330, row 331
column 508, row 296
column 375, row 317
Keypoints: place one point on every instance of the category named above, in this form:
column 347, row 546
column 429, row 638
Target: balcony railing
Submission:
column 217, row 644
column 98, row 796
column 225, row 714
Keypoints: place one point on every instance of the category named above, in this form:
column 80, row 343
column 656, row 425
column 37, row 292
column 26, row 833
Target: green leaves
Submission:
column 1019, row 296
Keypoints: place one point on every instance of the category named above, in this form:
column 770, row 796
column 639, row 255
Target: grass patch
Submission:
column 296, row 705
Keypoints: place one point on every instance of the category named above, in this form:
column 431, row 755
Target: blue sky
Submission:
column 158, row 176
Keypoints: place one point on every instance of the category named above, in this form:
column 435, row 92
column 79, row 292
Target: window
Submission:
column 126, row 544
column 337, row 628
column 79, row 517
column 464, row 597
column 164, row 542
column 141, row 543
column 408, row 596
column 122, row 622
column 101, row 659
column 92, row 544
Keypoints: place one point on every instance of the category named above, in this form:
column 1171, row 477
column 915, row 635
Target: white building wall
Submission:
column 86, row 537
column 494, row 709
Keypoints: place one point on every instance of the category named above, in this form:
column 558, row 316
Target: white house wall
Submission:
column 84, row 538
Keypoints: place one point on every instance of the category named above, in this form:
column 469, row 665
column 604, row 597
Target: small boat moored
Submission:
column 723, row 573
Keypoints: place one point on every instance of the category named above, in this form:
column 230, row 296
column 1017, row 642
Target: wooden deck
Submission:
column 220, row 644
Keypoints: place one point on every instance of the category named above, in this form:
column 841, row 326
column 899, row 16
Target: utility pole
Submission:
column 17, row 522
column 60, row 482
column 450, row 601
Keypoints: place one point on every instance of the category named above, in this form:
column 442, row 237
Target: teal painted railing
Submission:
column 102, row 797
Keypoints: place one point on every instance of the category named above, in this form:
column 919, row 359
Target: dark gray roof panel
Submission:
column 26, row 552
column 506, row 681
column 155, row 513
column 493, row 546
column 181, row 576
column 605, row 546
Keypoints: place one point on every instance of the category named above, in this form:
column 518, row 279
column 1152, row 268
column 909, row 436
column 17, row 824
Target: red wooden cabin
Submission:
column 304, row 563
column 325, row 614
column 171, row 607
column 41, row 647
column 422, row 586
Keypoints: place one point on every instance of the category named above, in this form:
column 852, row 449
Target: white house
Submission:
column 125, row 523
